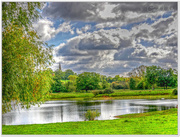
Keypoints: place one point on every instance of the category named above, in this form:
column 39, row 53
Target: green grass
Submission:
column 138, row 92
column 70, row 95
column 118, row 94
column 151, row 123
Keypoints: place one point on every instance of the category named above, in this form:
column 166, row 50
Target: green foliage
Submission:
column 87, row 81
column 109, row 79
column 141, row 85
column 175, row 92
column 91, row 115
column 166, row 78
column 132, row 84
column 57, row 86
column 58, row 75
column 152, row 75
column 95, row 92
column 68, row 72
column 108, row 91
column 25, row 77
column 119, row 85
column 20, row 13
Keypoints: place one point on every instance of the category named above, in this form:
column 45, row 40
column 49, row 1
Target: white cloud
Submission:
column 46, row 30
column 78, row 31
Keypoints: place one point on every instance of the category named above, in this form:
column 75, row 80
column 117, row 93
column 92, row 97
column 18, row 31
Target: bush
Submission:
column 91, row 115
column 175, row 92
column 108, row 91
column 95, row 92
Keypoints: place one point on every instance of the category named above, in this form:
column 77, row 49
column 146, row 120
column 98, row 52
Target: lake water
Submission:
column 64, row 111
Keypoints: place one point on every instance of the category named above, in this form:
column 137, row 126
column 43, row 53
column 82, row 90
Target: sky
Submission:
column 110, row 38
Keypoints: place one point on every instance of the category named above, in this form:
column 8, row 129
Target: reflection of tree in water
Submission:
column 8, row 119
column 108, row 102
column 83, row 106
column 157, row 108
column 47, row 114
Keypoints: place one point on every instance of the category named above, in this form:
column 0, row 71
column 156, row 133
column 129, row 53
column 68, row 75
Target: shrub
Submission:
column 101, row 92
column 175, row 92
column 108, row 91
column 91, row 115
column 95, row 92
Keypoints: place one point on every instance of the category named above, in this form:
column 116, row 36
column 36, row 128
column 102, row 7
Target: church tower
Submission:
column 59, row 66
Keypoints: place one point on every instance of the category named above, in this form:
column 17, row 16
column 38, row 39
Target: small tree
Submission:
column 91, row 115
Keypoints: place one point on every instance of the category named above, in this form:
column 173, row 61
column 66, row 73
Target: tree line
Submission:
column 142, row 77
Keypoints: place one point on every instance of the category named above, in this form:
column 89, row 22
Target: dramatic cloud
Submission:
column 46, row 30
column 104, row 12
column 112, row 38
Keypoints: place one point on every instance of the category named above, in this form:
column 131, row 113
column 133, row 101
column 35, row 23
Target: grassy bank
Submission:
column 118, row 94
column 151, row 123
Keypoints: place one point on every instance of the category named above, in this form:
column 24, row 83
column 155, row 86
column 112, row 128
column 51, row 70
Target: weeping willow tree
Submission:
column 26, row 78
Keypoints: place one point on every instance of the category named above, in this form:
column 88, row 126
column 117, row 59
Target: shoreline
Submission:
column 114, row 98
column 156, row 122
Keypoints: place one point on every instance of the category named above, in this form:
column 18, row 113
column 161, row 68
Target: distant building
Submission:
column 59, row 66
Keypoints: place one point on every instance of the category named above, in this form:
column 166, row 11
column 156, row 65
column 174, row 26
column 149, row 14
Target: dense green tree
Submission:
column 152, row 75
column 68, row 72
column 88, row 81
column 109, row 79
column 132, row 84
column 57, row 86
column 25, row 78
column 167, row 78
column 58, row 75
column 116, row 78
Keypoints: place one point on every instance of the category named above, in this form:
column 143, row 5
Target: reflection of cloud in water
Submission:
column 64, row 111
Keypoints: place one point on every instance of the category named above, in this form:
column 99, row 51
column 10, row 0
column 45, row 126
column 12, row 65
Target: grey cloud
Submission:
column 145, row 7
column 89, row 11
column 72, row 10
column 161, row 27
column 126, row 55
column 143, row 33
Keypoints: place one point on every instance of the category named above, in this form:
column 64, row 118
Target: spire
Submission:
column 59, row 66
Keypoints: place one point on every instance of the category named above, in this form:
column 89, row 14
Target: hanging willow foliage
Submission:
column 26, row 79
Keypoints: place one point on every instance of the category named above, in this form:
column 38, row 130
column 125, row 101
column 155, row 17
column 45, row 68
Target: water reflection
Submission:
column 64, row 111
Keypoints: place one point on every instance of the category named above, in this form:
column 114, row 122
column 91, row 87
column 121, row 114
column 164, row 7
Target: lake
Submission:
column 65, row 111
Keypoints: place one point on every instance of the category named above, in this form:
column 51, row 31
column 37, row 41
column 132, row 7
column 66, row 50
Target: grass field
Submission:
column 150, row 123
column 118, row 94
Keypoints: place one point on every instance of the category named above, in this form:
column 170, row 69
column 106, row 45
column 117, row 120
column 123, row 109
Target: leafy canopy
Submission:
column 88, row 81
column 25, row 58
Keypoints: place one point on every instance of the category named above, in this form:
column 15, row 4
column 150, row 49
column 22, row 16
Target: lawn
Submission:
column 150, row 123
column 118, row 94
